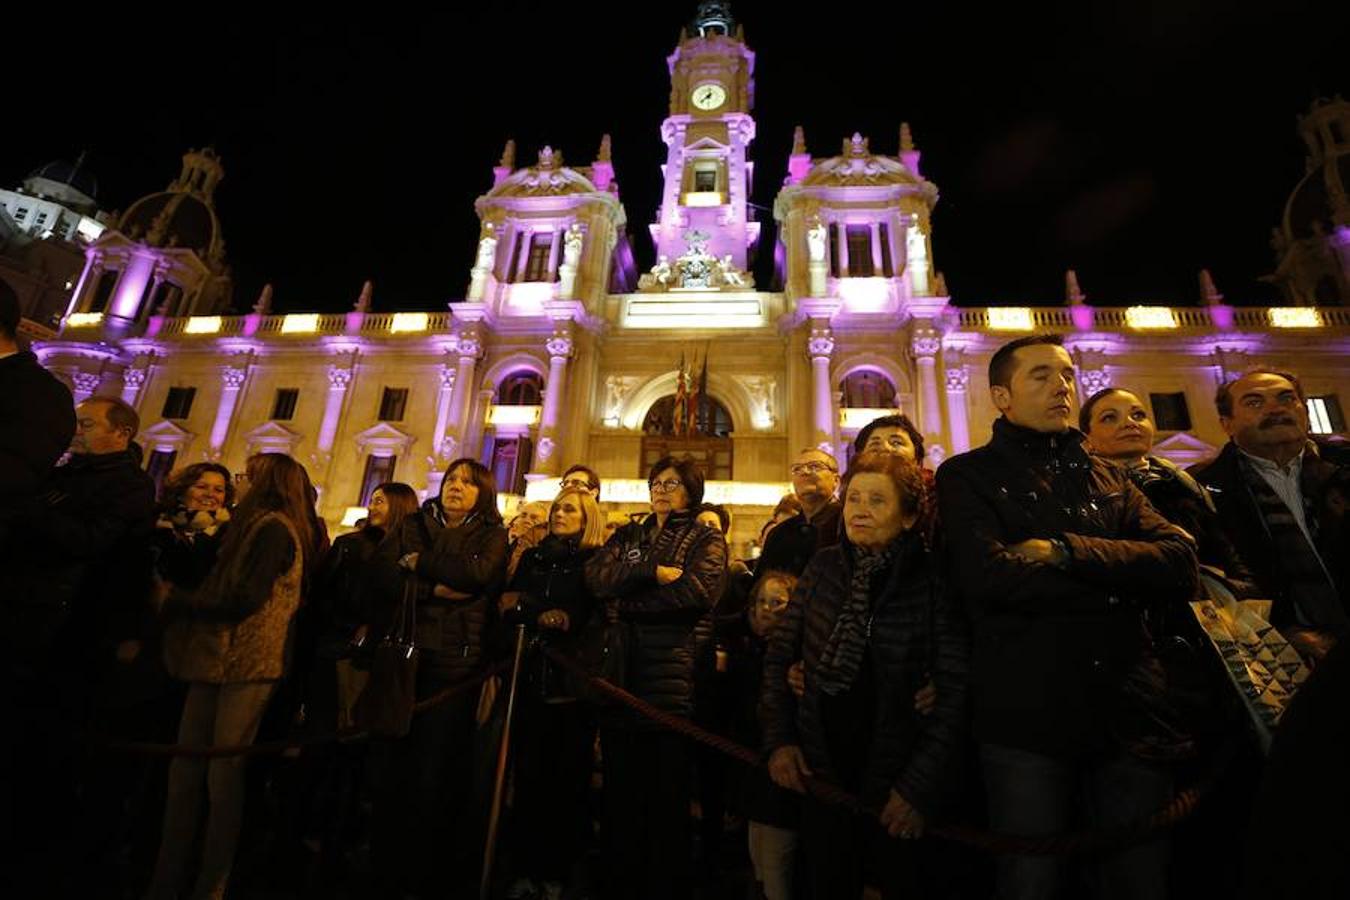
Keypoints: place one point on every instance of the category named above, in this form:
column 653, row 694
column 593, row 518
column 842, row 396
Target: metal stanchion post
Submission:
column 499, row 783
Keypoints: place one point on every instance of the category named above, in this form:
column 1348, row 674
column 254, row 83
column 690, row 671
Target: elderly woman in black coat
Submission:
column 871, row 624
column 659, row 579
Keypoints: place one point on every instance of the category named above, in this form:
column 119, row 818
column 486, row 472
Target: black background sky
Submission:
column 1136, row 143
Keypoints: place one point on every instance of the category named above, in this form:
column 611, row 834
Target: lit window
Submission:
column 409, row 321
column 300, row 323
column 1295, row 317
column 202, row 325
column 1150, row 317
column 1324, row 414
column 536, row 266
column 1010, row 318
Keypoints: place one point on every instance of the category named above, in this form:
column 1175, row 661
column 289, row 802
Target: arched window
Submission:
column 705, row 436
column 710, row 419
column 520, row 389
column 868, row 389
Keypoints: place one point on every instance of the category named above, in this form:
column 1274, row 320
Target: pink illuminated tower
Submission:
column 707, row 133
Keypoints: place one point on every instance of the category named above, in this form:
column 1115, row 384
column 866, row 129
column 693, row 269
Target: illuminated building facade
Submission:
column 562, row 349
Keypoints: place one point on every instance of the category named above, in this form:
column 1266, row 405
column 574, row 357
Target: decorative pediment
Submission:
column 544, row 182
column 272, row 437
column 1183, row 449
column 383, row 440
column 166, row 436
column 857, row 166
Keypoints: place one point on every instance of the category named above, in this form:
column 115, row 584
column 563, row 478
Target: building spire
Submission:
column 1073, row 294
column 1209, row 294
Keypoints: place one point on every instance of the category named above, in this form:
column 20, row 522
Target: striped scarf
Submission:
column 842, row 657
column 1316, row 600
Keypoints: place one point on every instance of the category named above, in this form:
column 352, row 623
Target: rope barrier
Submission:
column 348, row 735
column 1180, row 807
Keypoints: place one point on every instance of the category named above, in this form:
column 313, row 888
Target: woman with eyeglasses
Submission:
column 554, row 735
column 658, row 578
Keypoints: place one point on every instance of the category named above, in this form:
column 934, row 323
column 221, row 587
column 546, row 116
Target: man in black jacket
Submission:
column 790, row 546
column 1051, row 550
column 1270, row 486
column 74, row 594
column 37, row 415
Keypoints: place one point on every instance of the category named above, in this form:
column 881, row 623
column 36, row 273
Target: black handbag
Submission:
column 386, row 705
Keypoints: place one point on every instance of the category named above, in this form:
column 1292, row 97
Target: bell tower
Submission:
column 707, row 133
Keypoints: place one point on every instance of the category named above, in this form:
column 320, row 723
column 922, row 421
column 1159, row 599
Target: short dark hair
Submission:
column 900, row 420
column 121, row 414
column 9, row 311
column 1223, row 397
column 691, row 476
column 591, row 475
column 1085, row 414
column 903, row 474
column 482, row 478
column 723, row 516
column 1003, row 363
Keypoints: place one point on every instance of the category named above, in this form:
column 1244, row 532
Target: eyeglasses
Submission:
column 811, row 468
column 578, row 483
column 669, row 486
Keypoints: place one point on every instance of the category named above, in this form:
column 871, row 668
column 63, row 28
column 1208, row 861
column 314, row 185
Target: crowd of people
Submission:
column 984, row 645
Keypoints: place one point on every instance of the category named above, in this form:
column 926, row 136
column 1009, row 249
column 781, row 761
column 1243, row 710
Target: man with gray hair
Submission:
column 790, row 546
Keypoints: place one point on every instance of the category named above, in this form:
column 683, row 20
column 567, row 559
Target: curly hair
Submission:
column 174, row 491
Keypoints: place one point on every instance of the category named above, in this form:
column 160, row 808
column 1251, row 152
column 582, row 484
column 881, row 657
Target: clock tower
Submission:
column 704, row 207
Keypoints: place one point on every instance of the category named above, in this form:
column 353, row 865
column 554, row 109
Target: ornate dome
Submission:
column 1310, row 206
column 66, row 182
column 172, row 219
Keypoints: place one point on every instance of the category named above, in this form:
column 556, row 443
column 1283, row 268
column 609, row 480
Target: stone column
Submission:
column 232, row 378
column 468, row 348
column 958, row 409
column 339, row 379
column 559, row 350
column 447, row 373
column 824, row 414
column 926, row 344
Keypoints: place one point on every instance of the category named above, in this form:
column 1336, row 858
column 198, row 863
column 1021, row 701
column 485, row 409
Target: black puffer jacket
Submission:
column 471, row 559
column 914, row 634
column 1053, row 646
column 659, row 621
column 552, row 576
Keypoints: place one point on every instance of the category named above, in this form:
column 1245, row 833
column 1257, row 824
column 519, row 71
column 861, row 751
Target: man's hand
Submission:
column 409, row 562
column 668, row 574
column 445, row 592
column 509, row 600
column 796, row 678
column 1040, row 550
column 556, row 619
column 127, row 651
column 925, row 699
column 900, row 819
column 788, row 769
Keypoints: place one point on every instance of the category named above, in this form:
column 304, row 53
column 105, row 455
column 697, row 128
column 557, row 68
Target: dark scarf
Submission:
column 1316, row 600
column 842, row 657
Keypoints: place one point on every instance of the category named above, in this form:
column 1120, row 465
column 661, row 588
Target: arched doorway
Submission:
column 705, row 437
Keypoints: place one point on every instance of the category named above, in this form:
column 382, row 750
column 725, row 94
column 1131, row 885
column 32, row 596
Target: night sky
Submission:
column 1136, row 143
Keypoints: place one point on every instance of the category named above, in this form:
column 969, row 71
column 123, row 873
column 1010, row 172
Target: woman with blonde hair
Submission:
column 231, row 640
column 555, row 730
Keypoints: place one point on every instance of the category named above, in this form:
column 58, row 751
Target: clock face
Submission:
column 709, row 96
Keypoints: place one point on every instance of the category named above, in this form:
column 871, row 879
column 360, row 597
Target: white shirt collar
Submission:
column 1292, row 469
